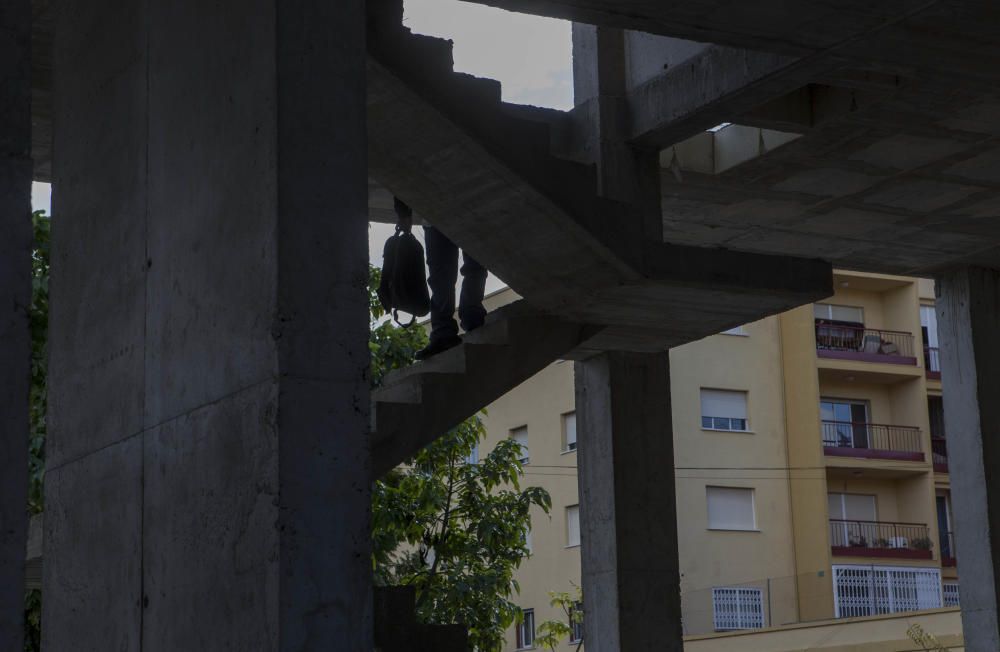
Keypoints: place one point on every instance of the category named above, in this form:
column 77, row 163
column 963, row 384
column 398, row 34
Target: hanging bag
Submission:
column 404, row 277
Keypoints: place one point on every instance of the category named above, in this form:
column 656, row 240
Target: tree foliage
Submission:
column 454, row 530
column 552, row 632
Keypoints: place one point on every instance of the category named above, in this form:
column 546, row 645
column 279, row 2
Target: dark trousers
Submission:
column 442, row 260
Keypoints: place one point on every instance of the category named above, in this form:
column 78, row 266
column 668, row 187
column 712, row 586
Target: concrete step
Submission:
column 422, row 402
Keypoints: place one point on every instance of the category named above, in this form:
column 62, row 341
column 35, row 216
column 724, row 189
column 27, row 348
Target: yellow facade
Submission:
column 865, row 359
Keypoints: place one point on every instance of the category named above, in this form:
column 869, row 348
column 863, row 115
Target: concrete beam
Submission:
column 716, row 86
column 968, row 308
column 208, row 466
column 627, row 503
column 15, row 297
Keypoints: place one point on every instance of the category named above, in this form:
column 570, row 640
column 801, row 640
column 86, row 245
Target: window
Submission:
column 730, row 508
column 851, row 517
column 527, row 539
column 738, row 330
column 876, row 590
column 929, row 329
column 526, row 630
column 572, row 526
column 839, row 314
column 949, row 591
column 520, row 435
column 845, row 423
column 723, row 410
column 473, row 457
column 576, row 623
column 569, row 431
column 737, row 608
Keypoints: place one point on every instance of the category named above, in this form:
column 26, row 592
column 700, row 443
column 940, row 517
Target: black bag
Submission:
column 404, row 277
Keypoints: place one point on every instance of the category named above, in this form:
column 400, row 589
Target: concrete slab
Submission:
column 93, row 552
column 209, row 516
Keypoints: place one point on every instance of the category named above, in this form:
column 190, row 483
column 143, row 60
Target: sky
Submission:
column 529, row 55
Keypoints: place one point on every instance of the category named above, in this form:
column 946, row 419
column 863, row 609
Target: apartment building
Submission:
column 811, row 468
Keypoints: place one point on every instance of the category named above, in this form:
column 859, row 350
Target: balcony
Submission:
column 948, row 556
column 880, row 539
column 872, row 441
column 932, row 362
column 939, row 453
column 847, row 342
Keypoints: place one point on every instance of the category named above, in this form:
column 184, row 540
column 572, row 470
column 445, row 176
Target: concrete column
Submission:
column 208, row 467
column 968, row 308
column 15, row 295
column 627, row 503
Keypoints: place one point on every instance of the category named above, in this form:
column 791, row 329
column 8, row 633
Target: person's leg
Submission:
column 470, row 306
column 442, row 260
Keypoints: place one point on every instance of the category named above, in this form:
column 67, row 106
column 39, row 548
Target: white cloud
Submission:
column 529, row 55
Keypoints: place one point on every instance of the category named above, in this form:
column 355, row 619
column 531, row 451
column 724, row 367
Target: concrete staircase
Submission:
column 396, row 628
column 418, row 404
column 490, row 176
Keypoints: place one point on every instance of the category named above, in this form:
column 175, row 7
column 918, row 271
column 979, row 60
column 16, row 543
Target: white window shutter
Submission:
column 573, row 525
column 723, row 403
column 569, row 430
column 730, row 508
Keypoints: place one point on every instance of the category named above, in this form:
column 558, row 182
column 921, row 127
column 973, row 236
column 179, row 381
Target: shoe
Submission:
column 438, row 346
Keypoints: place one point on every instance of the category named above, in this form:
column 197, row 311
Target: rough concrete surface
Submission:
column 968, row 310
column 15, row 297
column 209, row 328
column 625, row 460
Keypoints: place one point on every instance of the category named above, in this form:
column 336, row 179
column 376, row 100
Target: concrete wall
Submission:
column 15, row 296
column 207, row 478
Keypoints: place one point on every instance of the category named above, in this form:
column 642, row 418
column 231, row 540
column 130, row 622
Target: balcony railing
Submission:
column 853, row 439
column 948, row 556
column 932, row 361
column 939, row 453
column 859, row 343
column 880, row 539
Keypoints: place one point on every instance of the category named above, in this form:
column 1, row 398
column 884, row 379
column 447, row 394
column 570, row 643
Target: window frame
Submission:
column 525, row 448
column 579, row 528
column 521, row 630
column 715, row 421
column 565, row 432
column 576, row 626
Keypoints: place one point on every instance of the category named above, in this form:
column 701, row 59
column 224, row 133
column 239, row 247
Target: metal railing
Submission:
column 880, row 535
column 871, row 436
column 857, row 339
column 939, row 450
column 932, row 359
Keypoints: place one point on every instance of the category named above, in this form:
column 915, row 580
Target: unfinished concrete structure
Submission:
column 208, row 398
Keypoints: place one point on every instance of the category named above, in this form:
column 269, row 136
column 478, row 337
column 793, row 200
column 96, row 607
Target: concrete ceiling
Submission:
column 897, row 169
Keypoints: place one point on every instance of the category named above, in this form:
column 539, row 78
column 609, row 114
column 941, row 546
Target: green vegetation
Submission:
column 452, row 529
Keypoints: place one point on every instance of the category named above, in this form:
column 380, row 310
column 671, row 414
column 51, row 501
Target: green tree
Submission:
column 454, row 530
column 552, row 632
